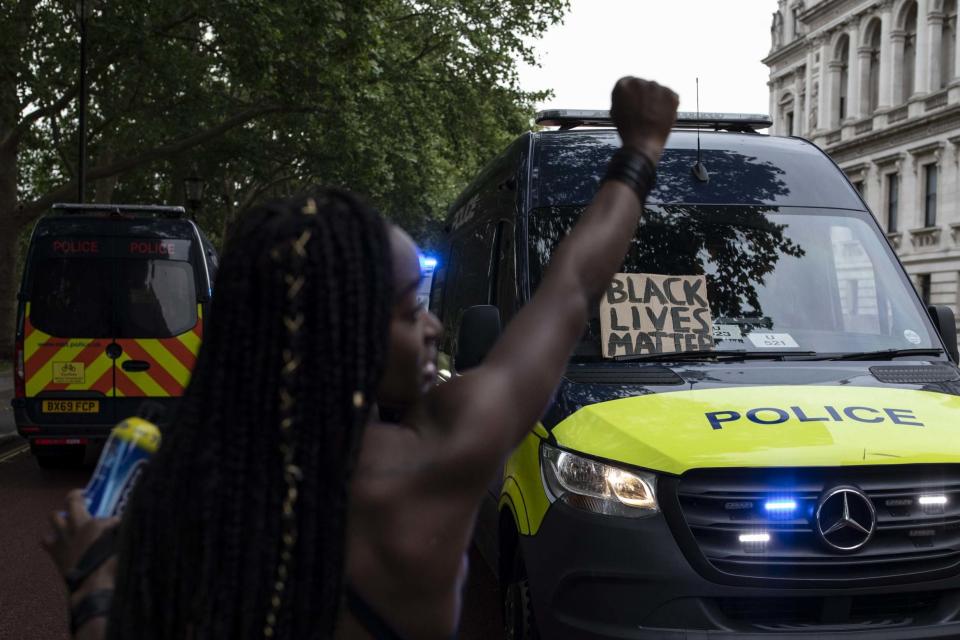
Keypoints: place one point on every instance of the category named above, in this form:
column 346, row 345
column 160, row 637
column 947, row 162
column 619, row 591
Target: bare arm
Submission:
column 503, row 398
column 73, row 533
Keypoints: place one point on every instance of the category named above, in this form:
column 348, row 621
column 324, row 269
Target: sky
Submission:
column 670, row 41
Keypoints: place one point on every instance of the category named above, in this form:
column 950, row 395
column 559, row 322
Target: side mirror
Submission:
column 946, row 324
column 479, row 330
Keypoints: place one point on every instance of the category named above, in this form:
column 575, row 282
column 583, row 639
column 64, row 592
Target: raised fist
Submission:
column 643, row 112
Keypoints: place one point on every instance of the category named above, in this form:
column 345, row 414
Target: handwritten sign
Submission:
column 645, row 313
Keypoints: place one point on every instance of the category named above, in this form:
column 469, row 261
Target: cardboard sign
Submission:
column 644, row 313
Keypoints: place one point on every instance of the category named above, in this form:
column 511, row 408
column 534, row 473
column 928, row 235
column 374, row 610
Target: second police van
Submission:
column 110, row 316
column 757, row 435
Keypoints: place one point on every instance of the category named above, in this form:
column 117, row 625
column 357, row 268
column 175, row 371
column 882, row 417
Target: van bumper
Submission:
column 594, row 577
column 36, row 434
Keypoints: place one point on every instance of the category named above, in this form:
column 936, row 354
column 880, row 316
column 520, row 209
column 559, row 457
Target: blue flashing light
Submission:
column 428, row 262
column 780, row 506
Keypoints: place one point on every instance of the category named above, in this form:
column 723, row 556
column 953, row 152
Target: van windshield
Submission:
column 811, row 280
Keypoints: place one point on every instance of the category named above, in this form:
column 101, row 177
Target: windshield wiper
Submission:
column 883, row 354
column 733, row 354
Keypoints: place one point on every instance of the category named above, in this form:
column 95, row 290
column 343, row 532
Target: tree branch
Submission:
column 66, row 191
column 40, row 112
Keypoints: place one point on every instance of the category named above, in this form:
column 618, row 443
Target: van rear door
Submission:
column 159, row 319
column 67, row 332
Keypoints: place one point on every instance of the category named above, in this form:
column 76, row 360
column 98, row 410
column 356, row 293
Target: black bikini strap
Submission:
column 95, row 605
column 368, row 618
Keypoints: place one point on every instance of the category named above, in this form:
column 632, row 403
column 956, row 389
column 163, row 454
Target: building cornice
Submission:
column 821, row 14
column 820, row 9
column 929, row 147
column 800, row 44
column 890, row 158
column 905, row 132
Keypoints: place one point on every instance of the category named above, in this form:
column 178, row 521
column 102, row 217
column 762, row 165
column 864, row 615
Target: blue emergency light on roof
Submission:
column 428, row 262
column 571, row 118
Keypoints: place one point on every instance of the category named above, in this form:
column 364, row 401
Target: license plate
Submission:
column 71, row 406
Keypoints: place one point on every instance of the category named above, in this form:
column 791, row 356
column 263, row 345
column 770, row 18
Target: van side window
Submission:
column 468, row 280
column 505, row 284
column 436, row 288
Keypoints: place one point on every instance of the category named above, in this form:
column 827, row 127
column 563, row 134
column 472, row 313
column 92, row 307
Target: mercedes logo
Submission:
column 846, row 519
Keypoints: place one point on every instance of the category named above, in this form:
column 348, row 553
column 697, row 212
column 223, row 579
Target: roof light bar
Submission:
column 79, row 209
column 570, row 118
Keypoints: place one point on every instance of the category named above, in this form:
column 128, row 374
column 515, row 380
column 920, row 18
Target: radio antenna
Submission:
column 699, row 171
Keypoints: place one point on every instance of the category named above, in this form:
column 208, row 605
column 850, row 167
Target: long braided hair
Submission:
column 237, row 527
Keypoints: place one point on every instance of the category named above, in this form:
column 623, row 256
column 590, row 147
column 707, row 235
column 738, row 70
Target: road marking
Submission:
column 13, row 454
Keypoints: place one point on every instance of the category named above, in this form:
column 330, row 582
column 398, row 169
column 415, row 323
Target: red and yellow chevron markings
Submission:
column 171, row 361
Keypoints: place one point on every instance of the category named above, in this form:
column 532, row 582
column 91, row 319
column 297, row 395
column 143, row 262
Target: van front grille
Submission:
column 808, row 613
column 728, row 514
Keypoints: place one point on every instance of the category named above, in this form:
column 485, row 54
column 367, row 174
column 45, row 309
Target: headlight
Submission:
column 594, row 486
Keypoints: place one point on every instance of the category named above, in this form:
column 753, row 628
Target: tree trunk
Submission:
column 10, row 226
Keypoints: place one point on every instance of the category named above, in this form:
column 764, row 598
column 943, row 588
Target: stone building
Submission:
column 875, row 84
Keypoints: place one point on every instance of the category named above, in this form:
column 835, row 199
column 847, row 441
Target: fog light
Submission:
column 755, row 538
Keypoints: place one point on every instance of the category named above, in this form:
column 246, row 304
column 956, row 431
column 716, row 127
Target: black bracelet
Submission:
column 98, row 553
column 94, row 605
column 633, row 168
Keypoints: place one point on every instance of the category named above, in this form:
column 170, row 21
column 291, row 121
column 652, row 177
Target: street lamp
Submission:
column 193, row 190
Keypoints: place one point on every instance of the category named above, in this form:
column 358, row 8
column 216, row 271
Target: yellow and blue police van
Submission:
column 110, row 316
column 758, row 434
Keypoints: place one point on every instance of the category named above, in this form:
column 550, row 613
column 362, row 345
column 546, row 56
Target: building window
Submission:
column 873, row 71
column 858, row 185
column 893, row 201
column 909, row 51
column 923, row 287
column 948, row 42
column 930, row 195
column 786, row 111
column 843, row 57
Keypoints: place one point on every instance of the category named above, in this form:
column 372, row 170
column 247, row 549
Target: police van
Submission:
column 110, row 315
column 758, row 434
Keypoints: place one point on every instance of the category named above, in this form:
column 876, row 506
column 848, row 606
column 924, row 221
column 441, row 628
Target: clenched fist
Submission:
column 643, row 112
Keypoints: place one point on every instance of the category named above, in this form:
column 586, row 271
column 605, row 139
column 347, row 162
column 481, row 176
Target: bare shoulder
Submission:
column 458, row 416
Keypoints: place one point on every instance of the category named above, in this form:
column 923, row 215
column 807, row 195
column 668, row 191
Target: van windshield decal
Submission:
column 644, row 313
column 814, row 280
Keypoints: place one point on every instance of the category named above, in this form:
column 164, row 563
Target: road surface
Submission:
column 32, row 597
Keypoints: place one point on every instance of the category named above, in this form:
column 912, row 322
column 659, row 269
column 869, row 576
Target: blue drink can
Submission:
column 128, row 449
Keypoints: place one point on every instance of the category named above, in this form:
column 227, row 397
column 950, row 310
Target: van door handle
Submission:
column 135, row 365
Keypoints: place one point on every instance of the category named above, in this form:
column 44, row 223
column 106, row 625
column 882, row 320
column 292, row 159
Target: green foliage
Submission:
column 401, row 100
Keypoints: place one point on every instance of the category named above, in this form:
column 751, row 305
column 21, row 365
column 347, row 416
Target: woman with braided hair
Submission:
column 282, row 504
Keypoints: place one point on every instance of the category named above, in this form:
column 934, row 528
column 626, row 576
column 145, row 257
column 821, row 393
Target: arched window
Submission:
column 873, row 69
column 841, row 66
column 909, row 50
column 948, row 42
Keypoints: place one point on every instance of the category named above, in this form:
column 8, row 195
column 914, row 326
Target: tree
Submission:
column 401, row 100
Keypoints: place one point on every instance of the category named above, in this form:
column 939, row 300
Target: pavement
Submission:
column 32, row 596
column 33, row 602
column 8, row 430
